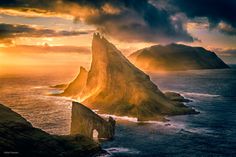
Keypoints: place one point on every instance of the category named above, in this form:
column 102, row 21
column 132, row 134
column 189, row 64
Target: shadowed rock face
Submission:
column 116, row 86
column 84, row 121
column 176, row 57
column 18, row 135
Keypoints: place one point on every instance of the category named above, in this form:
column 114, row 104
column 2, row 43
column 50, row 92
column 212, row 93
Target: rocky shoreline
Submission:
column 19, row 138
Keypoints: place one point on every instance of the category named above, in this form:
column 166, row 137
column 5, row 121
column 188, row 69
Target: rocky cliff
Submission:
column 85, row 122
column 19, row 138
column 176, row 57
column 116, row 86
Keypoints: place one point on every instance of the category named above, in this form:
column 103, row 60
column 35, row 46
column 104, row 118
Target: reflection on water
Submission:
column 210, row 133
column 27, row 95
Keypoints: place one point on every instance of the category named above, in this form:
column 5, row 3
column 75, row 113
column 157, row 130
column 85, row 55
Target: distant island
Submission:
column 176, row 57
column 115, row 86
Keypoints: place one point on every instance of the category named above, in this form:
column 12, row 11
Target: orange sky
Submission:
column 210, row 39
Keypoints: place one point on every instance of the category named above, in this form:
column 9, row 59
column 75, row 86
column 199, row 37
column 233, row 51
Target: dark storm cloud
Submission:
column 10, row 31
column 226, row 28
column 217, row 11
column 142, row 20
column 128, row 20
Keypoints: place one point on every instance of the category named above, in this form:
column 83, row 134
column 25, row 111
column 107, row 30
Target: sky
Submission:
column 59, row 32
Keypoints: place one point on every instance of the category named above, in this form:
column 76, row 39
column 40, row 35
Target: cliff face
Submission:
column 19, row 136
column 116, row 86
column 84, row 122
column 176, row 57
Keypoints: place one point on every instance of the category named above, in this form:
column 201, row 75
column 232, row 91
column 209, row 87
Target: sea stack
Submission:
column 84, row 122
column 176, row 57
column 116, row 86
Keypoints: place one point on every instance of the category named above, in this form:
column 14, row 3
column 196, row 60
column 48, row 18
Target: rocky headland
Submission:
column 19, row 138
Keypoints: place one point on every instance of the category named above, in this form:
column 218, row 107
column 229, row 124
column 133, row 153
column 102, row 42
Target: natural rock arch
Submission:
column 85, row 121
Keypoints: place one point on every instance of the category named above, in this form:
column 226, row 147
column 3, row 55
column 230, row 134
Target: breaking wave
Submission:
column 114, row 150
column 131, row 119
column 199, row 94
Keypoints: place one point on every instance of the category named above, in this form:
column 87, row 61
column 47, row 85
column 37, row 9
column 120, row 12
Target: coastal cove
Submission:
column 203, row 134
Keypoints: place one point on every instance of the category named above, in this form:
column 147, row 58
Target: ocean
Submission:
column 210, row 133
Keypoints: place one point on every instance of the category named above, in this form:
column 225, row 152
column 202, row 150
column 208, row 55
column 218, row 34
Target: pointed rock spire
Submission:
column 77, row 85
column 116, row 86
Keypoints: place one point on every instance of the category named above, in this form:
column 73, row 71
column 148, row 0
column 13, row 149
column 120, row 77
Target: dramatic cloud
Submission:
column 127, row 20
column 45, row 49
column 226, row 28
column 10, row 31
column 140, row 21
column 220, row 13
column 136, row 20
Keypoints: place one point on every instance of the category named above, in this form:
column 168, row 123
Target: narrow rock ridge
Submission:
column 116, row 86
column 84, row 122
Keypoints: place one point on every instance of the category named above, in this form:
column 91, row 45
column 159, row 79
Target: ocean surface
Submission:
column 210, row 133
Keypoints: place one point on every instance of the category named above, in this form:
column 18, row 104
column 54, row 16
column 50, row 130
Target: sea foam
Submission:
column 199, row 94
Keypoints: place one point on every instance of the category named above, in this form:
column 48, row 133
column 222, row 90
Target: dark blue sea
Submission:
column 211, row 133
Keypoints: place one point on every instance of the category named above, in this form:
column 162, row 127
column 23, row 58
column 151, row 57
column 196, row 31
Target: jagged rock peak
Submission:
column 75, row 88
column 82, row 70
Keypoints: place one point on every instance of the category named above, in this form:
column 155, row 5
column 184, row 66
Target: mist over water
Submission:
column 210, row 133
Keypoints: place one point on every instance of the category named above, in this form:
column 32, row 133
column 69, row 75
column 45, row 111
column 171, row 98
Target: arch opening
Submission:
column 95, row 134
